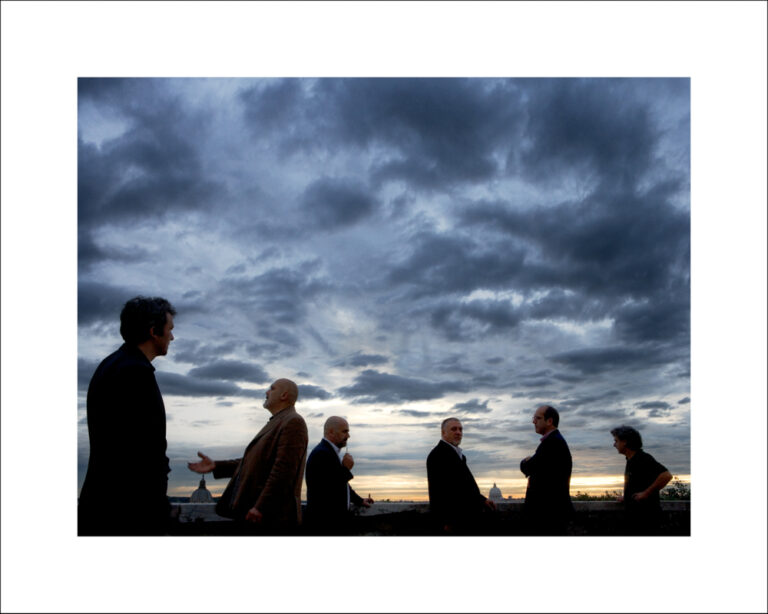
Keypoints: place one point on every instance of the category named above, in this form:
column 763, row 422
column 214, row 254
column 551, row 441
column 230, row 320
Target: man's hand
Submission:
column 348, row 461
column 620, row 498
column 640, row 496
column 204, row 466
column 367, row 502
column 490, row 504
column 254, row 515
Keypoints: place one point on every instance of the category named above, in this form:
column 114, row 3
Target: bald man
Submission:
column 264, row 492
column 455, row 500
column 329, row 495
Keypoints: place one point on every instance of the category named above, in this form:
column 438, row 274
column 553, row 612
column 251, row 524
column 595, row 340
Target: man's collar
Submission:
column 459, row 451
column 543, row 437
column 336, row 448
column 277, row 413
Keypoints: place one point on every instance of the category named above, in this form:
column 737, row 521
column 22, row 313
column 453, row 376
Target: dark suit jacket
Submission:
column 454, row 497
column 327, row 481
column 547, row 498
column 124, row 491
column 269, row 474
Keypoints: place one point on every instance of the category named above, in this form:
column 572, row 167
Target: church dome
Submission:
column 202, row 494
column 495, row 494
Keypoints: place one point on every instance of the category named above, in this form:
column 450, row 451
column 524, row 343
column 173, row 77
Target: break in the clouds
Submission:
column 405, row 249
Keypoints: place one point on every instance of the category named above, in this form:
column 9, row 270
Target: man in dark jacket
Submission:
column 644, row 477
column 329, row 495
column 548, row 505
column 126, row 430
column 454, row 498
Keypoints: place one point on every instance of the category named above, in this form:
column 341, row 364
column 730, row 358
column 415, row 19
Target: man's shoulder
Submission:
column 440, row 450
column 322, row 448
column 293, row 421
column 124, row 360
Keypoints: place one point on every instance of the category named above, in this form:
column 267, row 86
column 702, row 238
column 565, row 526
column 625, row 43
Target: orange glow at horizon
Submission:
column 409, row 487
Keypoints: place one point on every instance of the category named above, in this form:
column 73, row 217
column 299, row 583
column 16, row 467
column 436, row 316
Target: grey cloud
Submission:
column 375, row 387
column 684, row 401
column 436, row 132
column 363, row 360
column 101, row 302
column 334, row 203
column 309, row 391
column 448, row 263
column 279, row 294
column 231, row 370
column 473, row 406
column 600, row 359
column 415, row 413
column 574, row 127
column 181, row 385
column 653, row 405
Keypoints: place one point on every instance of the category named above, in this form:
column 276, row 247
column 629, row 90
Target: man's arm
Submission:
column 203, row 466
column 660, row 482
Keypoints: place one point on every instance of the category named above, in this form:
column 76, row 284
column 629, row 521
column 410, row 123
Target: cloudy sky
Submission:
column 405, row 250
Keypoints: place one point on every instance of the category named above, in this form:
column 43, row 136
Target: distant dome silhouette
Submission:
column 495, row 494
column 202, row 494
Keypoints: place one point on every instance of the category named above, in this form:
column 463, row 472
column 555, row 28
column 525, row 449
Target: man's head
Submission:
column 281, row 394
column 625, row 438
column 452, row 431
column 336, row 430
column 148, row 322
column 545, row 419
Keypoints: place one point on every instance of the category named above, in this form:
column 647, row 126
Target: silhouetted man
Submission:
column 264, row 492
column 126, row 430
column 329, row 495
column 644, row 477
column 548, row 505
column 454, row 498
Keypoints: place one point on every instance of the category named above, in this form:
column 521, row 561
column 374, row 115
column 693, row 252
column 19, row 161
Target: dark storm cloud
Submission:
column 653, row 405
column 474, row 318
column 309, row 391
column 335, row 203
column 591, row 361
column 231, row 370
column 89, row 252
column 607, row 247
column 101, row 302
column 187, row 386
column 152, row 169
column 277, row 295
column 450, row 263
column 436, row 132
column 473, row 406
column 684, row 401
column 375, row 387
column 575, row 127
column 415, row 413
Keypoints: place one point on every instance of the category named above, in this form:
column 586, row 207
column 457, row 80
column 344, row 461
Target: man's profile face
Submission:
column 273, row 395
column 541, row 424
column 163, row 341
column 452, row 432
column 339, row 434
column 620, row 445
